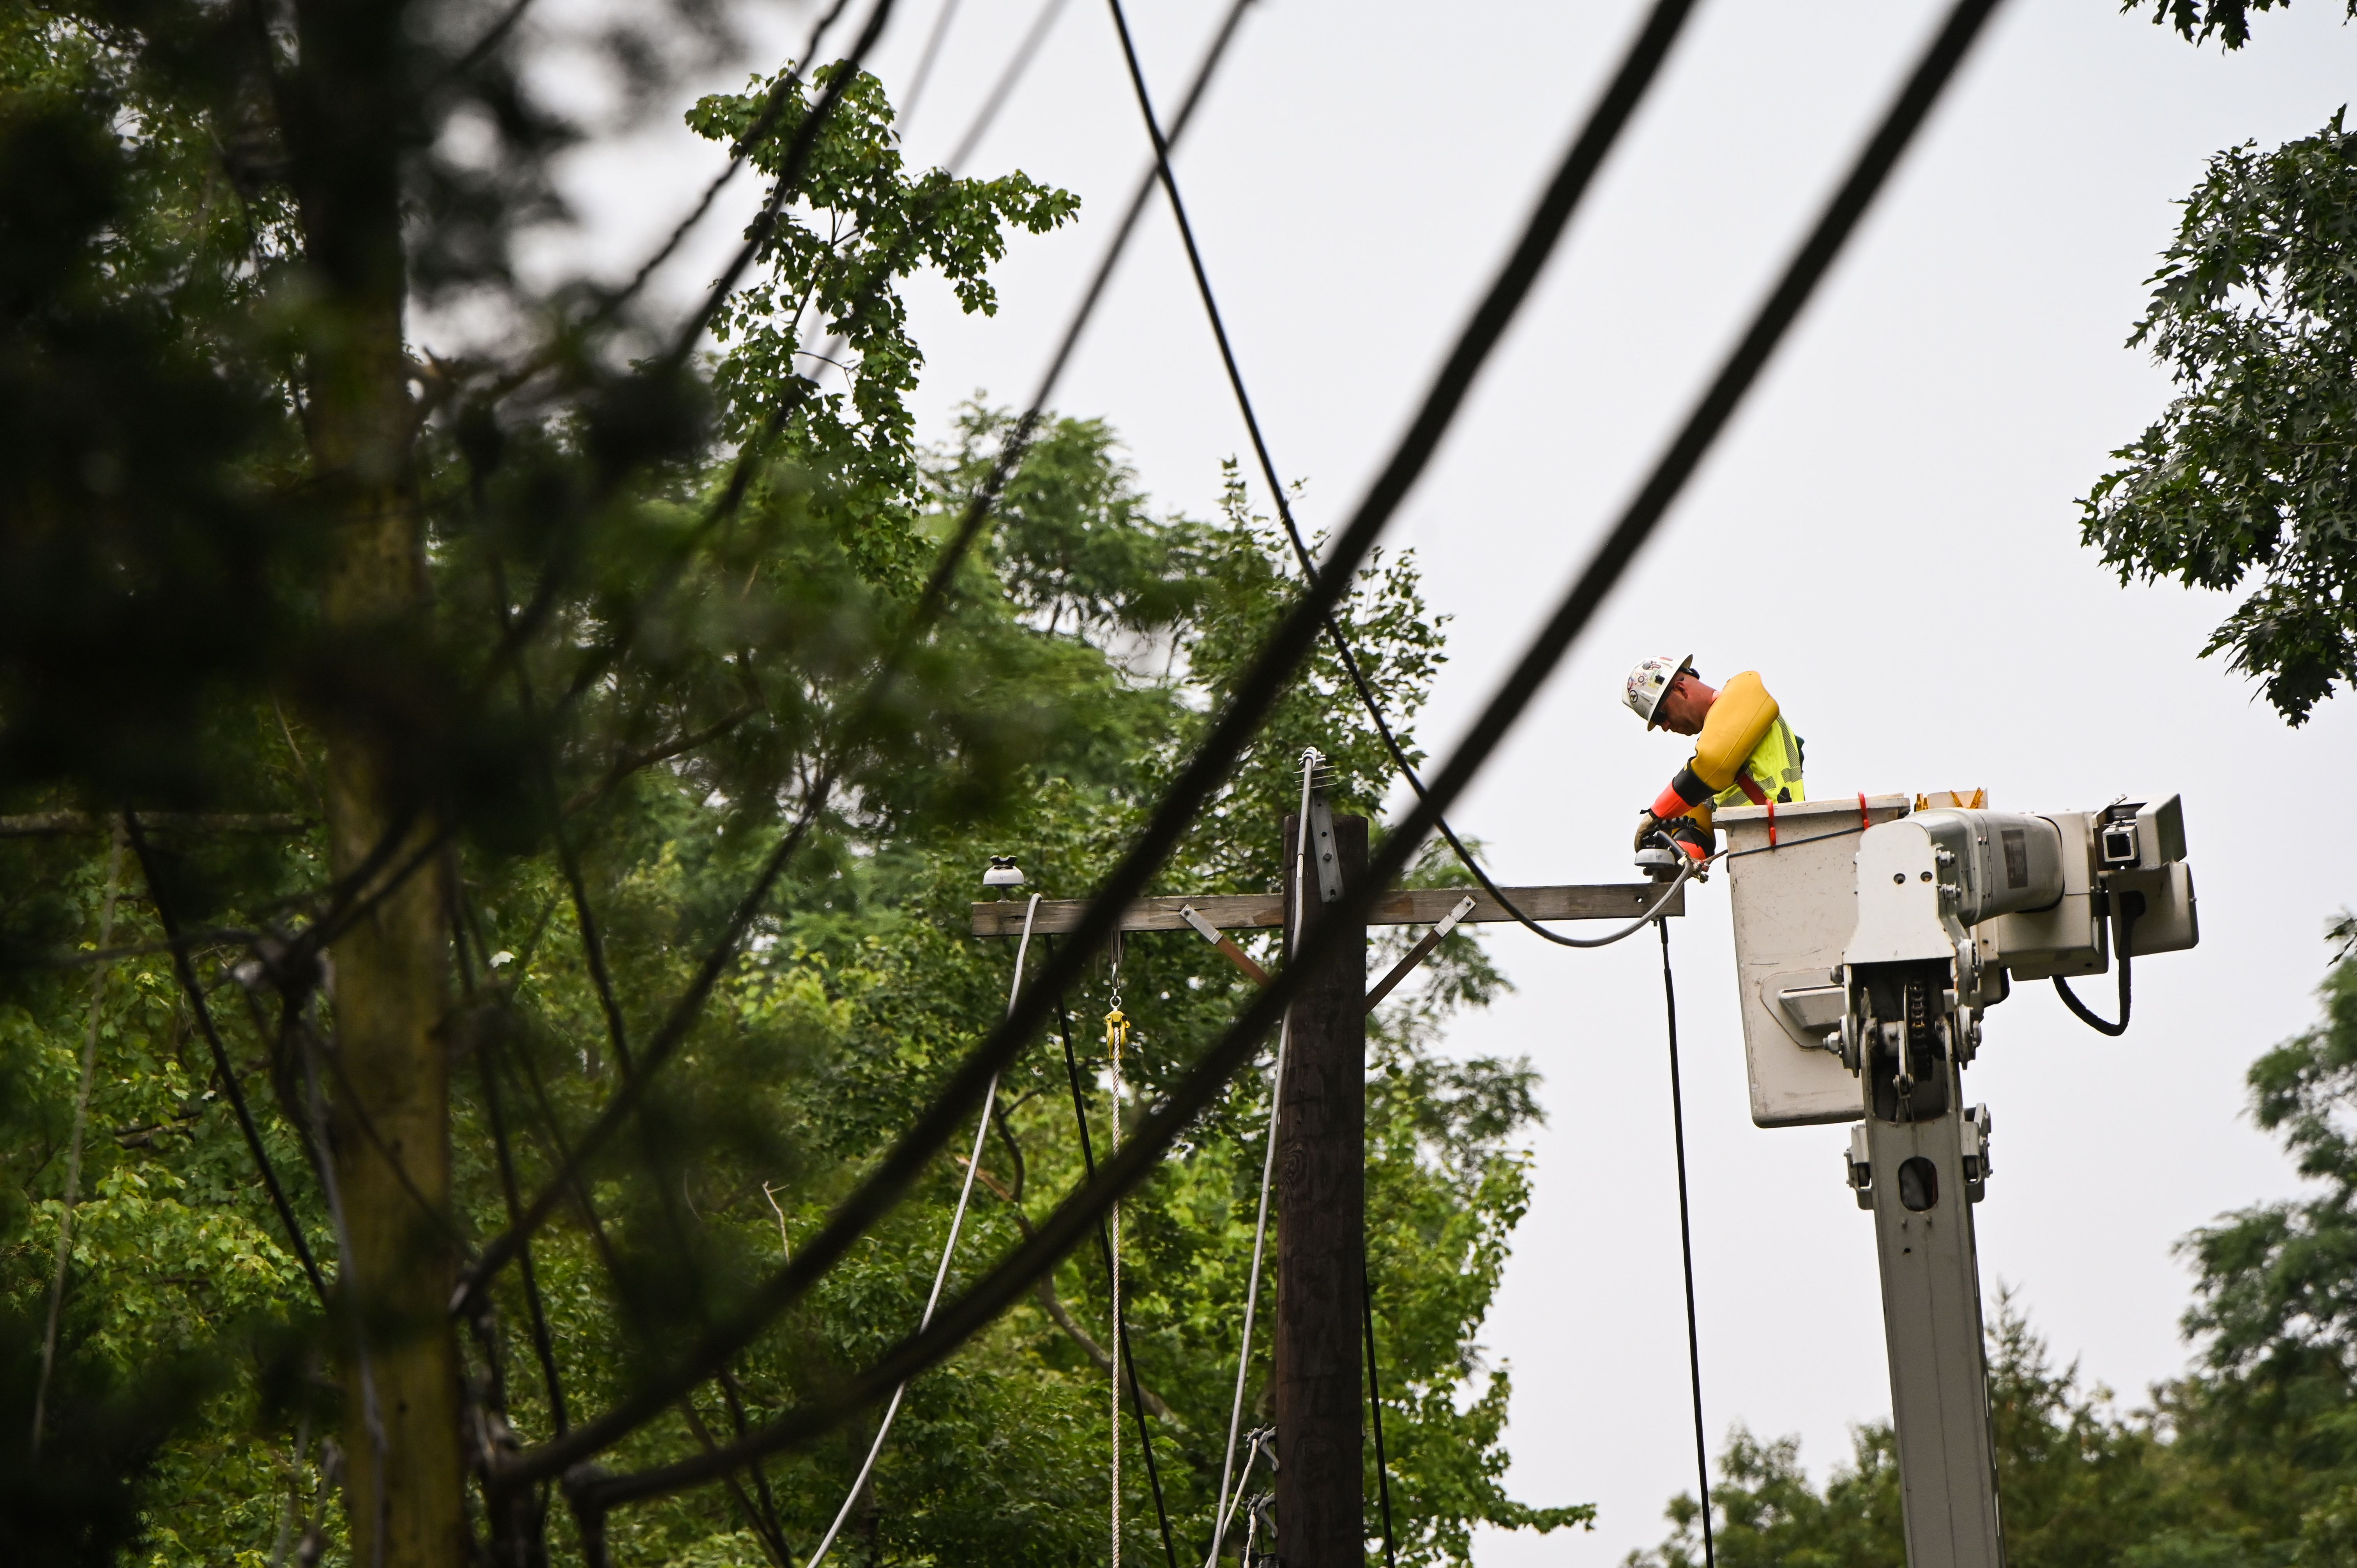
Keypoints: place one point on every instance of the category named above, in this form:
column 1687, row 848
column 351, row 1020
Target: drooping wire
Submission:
column 942, row 1273
column 1248, row 705
column 1277, row 492
column 1685, row 1249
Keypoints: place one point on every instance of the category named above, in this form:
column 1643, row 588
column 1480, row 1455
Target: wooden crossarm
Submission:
column 1408, row 907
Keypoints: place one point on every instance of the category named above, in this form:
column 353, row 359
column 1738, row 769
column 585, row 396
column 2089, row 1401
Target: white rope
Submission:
column 1114, row 1032
column 1226, row 1508
column 949, row 1250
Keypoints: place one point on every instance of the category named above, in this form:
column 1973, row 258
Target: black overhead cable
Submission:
column 771, row 1532
column 1104, row 1244
column 1232, row 729
column 924, row 71
column 740, row 151
column 543, row 1346
column 1194, row 1093
column 226, row 1068
column 894, row 1177
column 790, row 172
column 1685, row 1247
column 1276, row 488
column 503, row 1248
column 1017, row 64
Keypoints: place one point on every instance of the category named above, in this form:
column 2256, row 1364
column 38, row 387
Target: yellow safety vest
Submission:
column 1773, row 768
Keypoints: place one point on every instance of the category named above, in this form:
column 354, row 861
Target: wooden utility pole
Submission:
column 1322, row 1151
column 342, row 108
column 1321, row 1237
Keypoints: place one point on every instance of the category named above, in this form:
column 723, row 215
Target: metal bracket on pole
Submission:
column 1323, row 850
column 1418, row 954
column 1225, row 943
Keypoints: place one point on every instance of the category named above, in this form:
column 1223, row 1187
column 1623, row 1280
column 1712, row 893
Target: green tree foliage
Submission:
column 2250, row 477
column 2248, row 1461
column 2195, row 20
column 859, row 994
column 833, row 261
column 656, row 598
column 2076, row 1478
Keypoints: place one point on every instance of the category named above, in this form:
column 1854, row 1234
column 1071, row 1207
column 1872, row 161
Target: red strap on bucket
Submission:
column 1771, row 824
column 1864, row 817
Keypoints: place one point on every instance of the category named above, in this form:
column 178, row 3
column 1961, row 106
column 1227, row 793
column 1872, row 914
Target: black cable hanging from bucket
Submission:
column 1104, row 1245
column 1686, row 1245
column 2131, row 905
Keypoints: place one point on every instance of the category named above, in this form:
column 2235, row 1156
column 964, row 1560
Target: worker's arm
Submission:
column 1738, row 722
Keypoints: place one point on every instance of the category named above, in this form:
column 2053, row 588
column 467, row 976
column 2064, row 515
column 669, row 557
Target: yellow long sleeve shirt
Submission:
column 1743, row 738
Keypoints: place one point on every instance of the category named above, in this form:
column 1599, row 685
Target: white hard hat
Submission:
column 1651, row 681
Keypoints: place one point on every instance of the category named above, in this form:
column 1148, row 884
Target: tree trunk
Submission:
column 345, row 110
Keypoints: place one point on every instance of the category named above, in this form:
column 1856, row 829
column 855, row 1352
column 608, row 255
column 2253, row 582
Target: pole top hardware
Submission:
column 1003, row 873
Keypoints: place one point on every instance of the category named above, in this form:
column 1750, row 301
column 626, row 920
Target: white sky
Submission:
column 1888, row 533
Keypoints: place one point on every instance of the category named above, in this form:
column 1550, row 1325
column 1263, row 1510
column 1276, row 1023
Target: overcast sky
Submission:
column 1887, row 535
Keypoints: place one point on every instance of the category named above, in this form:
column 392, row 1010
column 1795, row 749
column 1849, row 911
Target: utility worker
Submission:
column 1747, row 754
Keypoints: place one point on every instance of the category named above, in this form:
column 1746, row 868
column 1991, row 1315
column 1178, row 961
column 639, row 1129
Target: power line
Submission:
column 1066, row 1228
column 740, row 152
column 790, row 173
column 1017, row 64
column 1276, row 488
column 222, row 1066
column 924, row 73
column 501, row 1249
